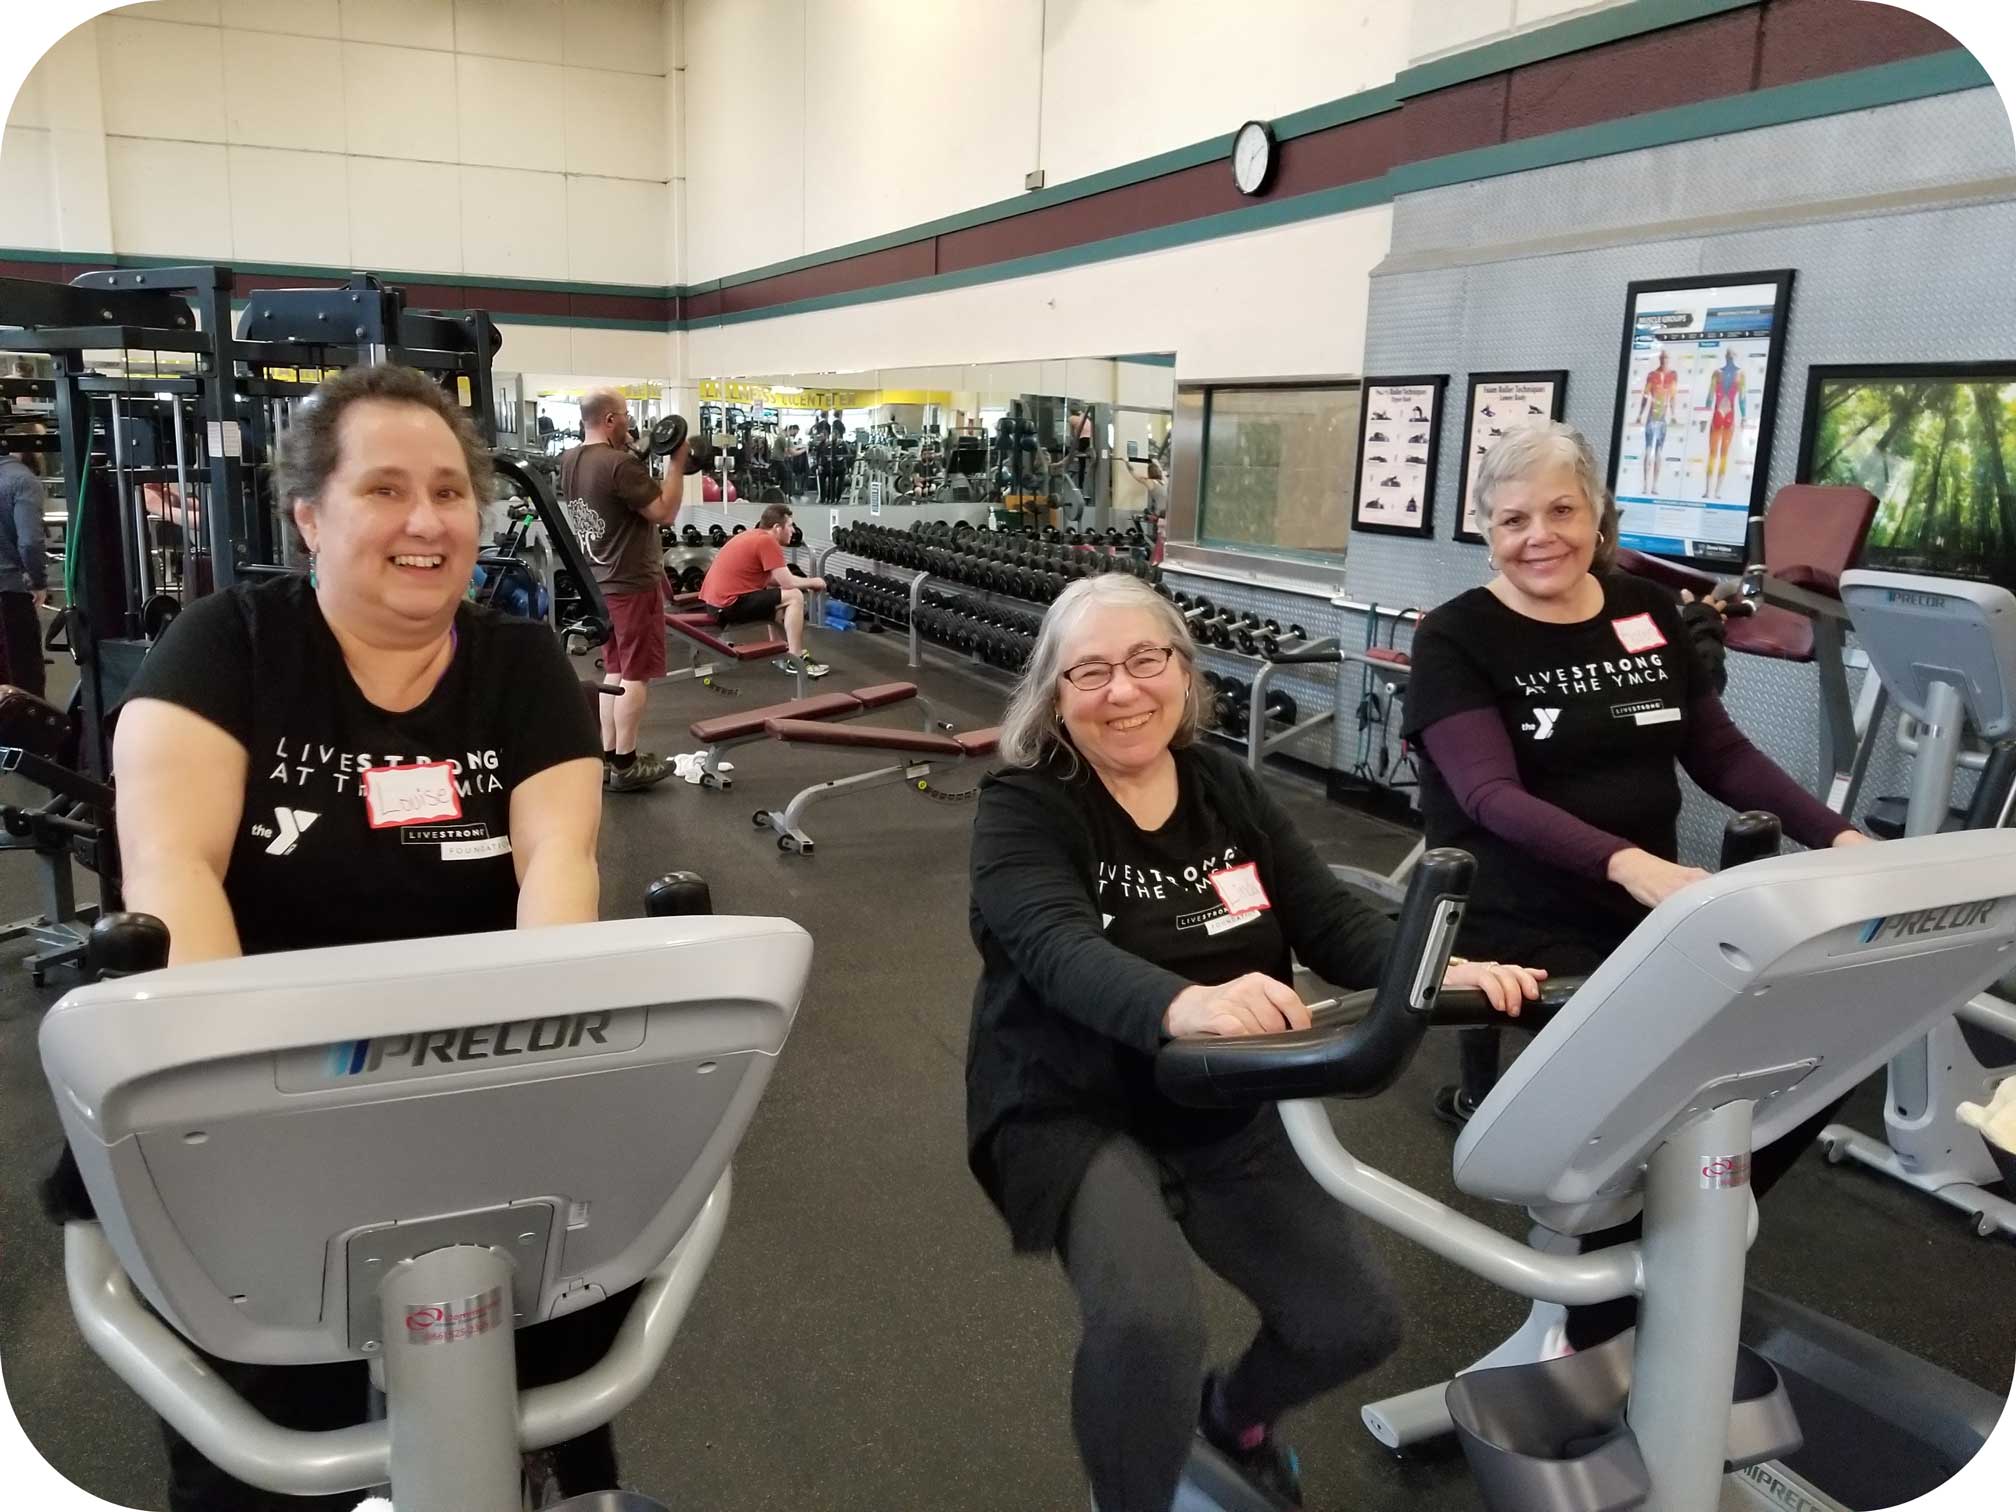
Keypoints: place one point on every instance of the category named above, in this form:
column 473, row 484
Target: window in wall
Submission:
column 1277, row 467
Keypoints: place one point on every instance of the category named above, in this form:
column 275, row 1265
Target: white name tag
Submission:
column 1638, row 633
column 1239, row 889
column 1227, row 921
column 475, row 850
column 400, row 795
column 1658, row 716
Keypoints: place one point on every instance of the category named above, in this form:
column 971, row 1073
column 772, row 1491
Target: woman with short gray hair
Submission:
column 1555, row 706
column 1131, row 885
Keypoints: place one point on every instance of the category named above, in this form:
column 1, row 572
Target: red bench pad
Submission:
column 752, row 721
column 880, row 694
column 979, row 742
column 865, row 737
column 701, row 627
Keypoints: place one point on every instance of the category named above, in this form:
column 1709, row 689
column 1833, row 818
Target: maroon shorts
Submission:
column 636, row 649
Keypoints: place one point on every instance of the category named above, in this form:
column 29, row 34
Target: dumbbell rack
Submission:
column 1259, row 744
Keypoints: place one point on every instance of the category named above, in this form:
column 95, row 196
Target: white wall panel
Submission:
column 281, row 91
column 406, row 217
column 628, row 36
column 616, row 124
column 745, row 134
column 161, row 79
column 300, row 18
column 29, row 110
column 190, row 12
column 614, row 354
column 895, row 134
column 1289, row 300
column 511, row 114
column 534, row 348
column 290, row 207
column 399, row 102
column 27, row 190
column 168, row 199
column 525, row 29
column 1122, row 81
column 514, row 223
column 401, row 23
column 616, row 231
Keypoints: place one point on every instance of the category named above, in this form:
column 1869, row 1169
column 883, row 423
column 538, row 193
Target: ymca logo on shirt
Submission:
column 288, row 826
column 1542, row 725
column 1606, row 676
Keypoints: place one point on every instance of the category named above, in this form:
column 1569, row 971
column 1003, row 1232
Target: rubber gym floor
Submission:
column 865, row 1339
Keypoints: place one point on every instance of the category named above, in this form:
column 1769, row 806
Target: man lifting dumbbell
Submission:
column 750, row 580
column 616, row 507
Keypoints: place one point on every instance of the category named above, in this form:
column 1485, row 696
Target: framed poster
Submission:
column 1393, row 492
column 1936, row 443
column 1500, row 403
column 1697, row 393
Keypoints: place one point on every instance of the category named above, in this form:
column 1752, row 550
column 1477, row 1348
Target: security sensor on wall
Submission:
column 1033, row 180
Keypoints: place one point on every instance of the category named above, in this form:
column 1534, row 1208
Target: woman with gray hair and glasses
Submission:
column 1130, row 886
column 1556, row 705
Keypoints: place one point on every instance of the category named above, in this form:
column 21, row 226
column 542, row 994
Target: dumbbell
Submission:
column 1275, row 640
column 716, row 536
column 690, row 537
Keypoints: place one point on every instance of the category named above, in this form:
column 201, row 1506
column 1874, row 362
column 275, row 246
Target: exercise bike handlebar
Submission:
column 171, row 1377
column 1343, row 1055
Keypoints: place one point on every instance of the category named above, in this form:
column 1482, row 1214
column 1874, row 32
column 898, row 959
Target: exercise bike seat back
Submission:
column 1783, row 982
column 264, row 1139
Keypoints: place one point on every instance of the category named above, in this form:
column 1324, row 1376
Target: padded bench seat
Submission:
column 748, row 723
column 701, row 627
column 752, row 721
column 866, row 737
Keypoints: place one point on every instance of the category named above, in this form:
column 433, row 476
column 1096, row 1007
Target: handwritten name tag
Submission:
column 1239, row 889
column 1638, row 633
column 410, row 794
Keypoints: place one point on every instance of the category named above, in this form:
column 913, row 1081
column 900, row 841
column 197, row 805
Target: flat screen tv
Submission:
column 1936, row 444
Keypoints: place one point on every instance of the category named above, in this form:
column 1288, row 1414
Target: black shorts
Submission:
column 741, row 610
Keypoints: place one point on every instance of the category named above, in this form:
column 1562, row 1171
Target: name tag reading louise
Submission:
column 401, row 795
column 1239, row 888
column 1638, row 633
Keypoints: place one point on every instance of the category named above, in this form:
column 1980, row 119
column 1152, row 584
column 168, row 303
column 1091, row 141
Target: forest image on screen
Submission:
column 1939, row 453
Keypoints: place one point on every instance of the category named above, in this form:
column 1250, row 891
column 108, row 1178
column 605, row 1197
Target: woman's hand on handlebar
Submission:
column 1252, row 1004
column 1648, row 878
column 1504, row 987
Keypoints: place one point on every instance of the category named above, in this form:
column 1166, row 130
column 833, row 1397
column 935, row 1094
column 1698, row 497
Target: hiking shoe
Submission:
column 646, row 771
column 812, row 668
column 1266, row 1462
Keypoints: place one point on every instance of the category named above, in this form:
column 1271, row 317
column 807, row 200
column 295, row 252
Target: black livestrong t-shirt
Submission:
column 308, row 868
column 1597, row 714
column 1157, row 900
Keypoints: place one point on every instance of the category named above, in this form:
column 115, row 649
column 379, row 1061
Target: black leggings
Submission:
column 320, row 1397
column 1248, row 1208
column 21, row 639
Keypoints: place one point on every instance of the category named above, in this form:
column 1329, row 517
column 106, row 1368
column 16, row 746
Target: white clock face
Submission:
column 1251, row 156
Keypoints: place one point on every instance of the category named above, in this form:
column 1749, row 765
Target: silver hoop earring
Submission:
column 1490, row 561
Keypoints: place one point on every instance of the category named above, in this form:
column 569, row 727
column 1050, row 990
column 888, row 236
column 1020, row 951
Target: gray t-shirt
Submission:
column 603, row 489
column 23, row 568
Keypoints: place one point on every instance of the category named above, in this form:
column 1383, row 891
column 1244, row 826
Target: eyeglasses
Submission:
column 1143, row 665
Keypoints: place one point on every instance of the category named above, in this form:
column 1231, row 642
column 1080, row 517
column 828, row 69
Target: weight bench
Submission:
column 697, row 625
column 726, row 731
column 915, row 746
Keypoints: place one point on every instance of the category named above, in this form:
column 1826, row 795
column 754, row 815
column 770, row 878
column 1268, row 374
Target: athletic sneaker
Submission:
column 647, row 770
column 812, row 668
column 1268, row 1463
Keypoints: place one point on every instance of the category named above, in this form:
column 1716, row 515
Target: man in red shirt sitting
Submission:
column 749, row 580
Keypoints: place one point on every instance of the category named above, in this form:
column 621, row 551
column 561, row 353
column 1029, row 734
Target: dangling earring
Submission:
column 311, row 570
column 1490, row 561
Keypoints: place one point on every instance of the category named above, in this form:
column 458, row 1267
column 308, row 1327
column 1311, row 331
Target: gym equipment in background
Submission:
column 1945, row 650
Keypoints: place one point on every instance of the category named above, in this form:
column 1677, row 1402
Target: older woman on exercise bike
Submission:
column 1131, row 885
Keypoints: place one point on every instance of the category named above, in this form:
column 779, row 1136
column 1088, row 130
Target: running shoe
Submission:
column 648, row 770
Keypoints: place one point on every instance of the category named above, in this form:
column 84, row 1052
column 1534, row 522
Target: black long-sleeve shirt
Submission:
column 1066, row 1020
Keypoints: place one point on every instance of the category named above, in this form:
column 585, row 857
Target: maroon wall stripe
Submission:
column 1461, row 118
column 1682, row 65
column 1809, row 39
column 890, row 265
